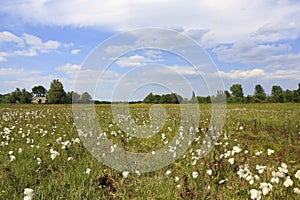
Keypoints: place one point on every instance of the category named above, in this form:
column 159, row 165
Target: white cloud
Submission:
column 70, row 69
column 75, row 51
column 27, row 45
column 242, row 74
column 262, row 75
column 279, row 31
column 249, row 52
column 135, row 60
column 36, row 43
column 227, row 21
column 6, row 36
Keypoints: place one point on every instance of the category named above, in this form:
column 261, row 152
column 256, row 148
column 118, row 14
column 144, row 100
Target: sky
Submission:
column 101, row 46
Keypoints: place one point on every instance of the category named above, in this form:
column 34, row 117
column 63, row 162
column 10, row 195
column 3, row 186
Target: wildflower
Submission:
column 275, row 179
column 195, row 174
column 70, row 158
column 222, row 181
column 125, row 174
column 137, row 172
column 288, row 182
column 250, row 179
column 54, row 154
column 297, row 175
column 88, row 171
column 255, row 194
column 283, row 168
column 176, row 178
column 296, row 190
column 29, row 194
column 10, row 152
column 20, row 150
column 168, row 172
column 209, row 172
column 266, row 188
column 270, row 151
column 260, row 168
column 257, row 153
column 236, row 149
column 231, row 160
column 12, row 158
column 39, row 161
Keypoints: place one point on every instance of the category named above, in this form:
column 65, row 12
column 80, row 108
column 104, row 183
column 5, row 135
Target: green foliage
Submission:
column 39, row 91
column 172, row 98
column 237, row 91
column 85, row 98
column 56, row 94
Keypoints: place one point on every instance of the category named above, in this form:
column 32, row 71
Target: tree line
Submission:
column 55, row 95
column 235, row 95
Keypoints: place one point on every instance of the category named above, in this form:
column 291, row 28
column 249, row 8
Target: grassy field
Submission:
column 257, row 155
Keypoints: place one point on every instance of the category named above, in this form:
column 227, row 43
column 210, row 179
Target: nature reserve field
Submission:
column 257, row 155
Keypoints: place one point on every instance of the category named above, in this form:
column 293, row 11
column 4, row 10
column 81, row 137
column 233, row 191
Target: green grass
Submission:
column 36, row 128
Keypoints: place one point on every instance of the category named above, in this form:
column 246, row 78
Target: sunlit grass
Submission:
column 29, row 132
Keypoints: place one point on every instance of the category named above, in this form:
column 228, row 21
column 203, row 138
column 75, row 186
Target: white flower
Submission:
column 270, row 151
column 288, row 182
column 195, row 174
column 10, row 152
column 12, row 158
column 283, row 168
column 260, row 168
column 222, row 181
column 70, row 158
column 255, row 194
column 231, row 160
column 88, row 171
column 20, row 150
column 39, row 161
column 257, row 153
column 176, row 178
column 250, row 179
column 296, row 190
column 297, row 175
column 168, row 172
column 266, row 188
column 54, row 154
column 236, row 149
column 275, row 180
column 125, row 174
column 209, row 172
column 137, row 172
column 29, row 194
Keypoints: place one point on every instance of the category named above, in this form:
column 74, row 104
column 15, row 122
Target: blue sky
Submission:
column 251, row 42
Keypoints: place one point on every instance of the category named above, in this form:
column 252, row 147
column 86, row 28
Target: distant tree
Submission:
column 259, row 94
column 194, row 98
column 85, row 98
column 149, row 98
column 297, row 94
column 73, row 97
column 277, row 94
column 56, row 94
column 288, row 96
column 39, row 91
column 237, row 90
column 237, row 93
column 26, row 96
column 15, row 96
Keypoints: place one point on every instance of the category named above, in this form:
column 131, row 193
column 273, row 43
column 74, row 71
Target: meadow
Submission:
column 255, row 157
